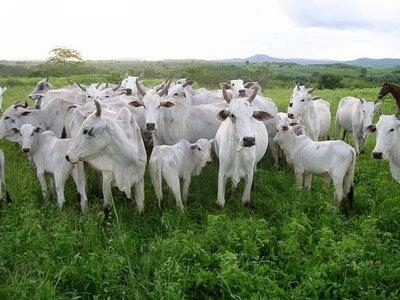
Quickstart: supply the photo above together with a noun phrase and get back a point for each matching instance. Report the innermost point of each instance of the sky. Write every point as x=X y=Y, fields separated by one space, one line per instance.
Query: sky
x=206 y=29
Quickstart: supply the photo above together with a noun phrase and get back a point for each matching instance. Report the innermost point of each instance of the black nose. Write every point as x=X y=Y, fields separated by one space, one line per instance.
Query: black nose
x=242 y=93
x=209 y=162
x=249 y=141
x=290 y=116
x=26 y=150
x=290 y=104
x=128 y=92
x=377 y=155
x=150 y=126
x=67 y=157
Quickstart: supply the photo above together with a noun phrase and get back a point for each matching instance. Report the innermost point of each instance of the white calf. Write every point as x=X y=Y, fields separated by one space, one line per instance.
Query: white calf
x=354 y=115
x=180 y=161
x=388 y=143
x=334 y=159
x=240 y=143
x=48 y=155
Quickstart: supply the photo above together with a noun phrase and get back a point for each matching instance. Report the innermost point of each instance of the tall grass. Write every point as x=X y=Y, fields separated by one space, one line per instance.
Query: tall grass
x=290 y=244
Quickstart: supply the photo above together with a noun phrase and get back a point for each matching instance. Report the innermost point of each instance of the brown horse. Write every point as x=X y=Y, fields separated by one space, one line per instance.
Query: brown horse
x=390 y=88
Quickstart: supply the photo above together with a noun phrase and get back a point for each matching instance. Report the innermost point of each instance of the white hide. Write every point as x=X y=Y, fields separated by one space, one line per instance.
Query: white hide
x=331 y=159
x=388 y=143
x=354 y=115
x=48 y=155
x=178 y=162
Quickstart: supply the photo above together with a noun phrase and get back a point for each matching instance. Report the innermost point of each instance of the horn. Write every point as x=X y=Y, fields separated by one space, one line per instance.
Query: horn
x=47 y=77
x=312 y=89
x=117 y=87
x=169 y=78
x=297 y=86
x=251 y=98
x=164 y=89
x=81 y=87
x=98 y=85
x=98 y=108
x=141 y=74
x=140 y=89
x=69 y=81
x=126 y=74
x=71 y=106
x=26 y=104
x=225 y=94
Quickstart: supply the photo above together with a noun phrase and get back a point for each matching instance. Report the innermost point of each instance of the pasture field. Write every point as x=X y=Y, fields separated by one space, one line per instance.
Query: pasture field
x=291 y=244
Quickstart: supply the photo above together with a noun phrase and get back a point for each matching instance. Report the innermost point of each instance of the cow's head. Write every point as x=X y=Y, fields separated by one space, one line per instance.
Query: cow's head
x=177 y=88
x=28 y=134
x=41 y=88
x=92 y=138
x=300 y=103
x=368 y=109
x=153 y=103
x=13 y=117
x=241 y=115
x=387 y=136
x=201 y=153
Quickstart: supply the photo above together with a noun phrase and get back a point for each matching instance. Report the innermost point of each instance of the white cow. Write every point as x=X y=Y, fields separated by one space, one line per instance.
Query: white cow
x=240 y=143
x=52 y=117
x=388 y=143
x=170 y=120
x=354 y=115
x=2 y=91
x=184 y=88
x=313 y=112
x=114 y=147
x=331 y=159
x=178 y=162
x=238 y=88
x=48 y=154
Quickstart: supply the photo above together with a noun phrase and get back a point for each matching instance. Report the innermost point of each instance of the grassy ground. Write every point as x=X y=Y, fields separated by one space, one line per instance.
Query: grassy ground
x=291 y=244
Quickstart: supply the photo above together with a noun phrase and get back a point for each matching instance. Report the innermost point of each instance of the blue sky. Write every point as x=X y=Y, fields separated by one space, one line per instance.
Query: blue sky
x=177 y=29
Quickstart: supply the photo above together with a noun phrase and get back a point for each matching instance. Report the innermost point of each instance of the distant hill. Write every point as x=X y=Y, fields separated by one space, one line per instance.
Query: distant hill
x=362 y=62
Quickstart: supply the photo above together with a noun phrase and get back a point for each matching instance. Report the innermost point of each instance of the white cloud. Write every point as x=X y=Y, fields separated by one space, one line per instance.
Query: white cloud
x=154 y=30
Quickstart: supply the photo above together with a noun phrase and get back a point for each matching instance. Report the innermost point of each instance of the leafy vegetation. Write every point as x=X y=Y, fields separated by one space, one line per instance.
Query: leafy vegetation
x=291 y=244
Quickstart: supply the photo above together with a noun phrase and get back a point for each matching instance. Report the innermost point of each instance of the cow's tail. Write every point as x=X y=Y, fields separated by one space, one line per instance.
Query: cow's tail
x=337 y=127
x=348 y=181
x=155 y=168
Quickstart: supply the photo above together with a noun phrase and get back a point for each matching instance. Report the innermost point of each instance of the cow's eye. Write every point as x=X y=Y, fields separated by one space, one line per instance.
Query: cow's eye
x=85 y=131
x=233 y=117
x=6 y=118
x=302 y=100
x=391 y=130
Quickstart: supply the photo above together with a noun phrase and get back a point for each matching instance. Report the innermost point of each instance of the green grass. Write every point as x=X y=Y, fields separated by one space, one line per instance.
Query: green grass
x=291 y=244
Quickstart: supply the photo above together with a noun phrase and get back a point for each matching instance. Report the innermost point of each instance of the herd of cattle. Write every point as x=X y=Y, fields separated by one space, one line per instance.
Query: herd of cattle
x=109 y=127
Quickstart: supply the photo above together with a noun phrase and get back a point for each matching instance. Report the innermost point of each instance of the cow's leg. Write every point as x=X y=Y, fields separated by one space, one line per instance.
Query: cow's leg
x=139 y=196
x=42 y=180
x=247 y=188
x=307 y=181
x=59 y=184
x=108 y=199
x=174 y=185
x=78 y=174
x=299 y=178
x=338 y=194
x=221 y=188
x=185 y=188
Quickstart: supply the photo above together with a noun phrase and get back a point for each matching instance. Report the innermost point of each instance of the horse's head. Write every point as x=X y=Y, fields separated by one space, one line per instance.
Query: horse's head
x=385 y=89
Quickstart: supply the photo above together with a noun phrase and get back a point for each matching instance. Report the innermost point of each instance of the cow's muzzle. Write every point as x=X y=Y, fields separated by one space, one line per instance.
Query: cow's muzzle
x=26 y=150
x=249 y=141
x=150 y=126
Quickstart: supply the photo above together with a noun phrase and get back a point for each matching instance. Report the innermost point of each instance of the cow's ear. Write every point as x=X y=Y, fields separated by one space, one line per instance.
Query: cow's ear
x=37 y=129
x=285 y=128
x=298 y=129
x=223 y=114
x=135 y=103
x=167 y=104
x=14 y=129
x=25 y=113
x=261 y=115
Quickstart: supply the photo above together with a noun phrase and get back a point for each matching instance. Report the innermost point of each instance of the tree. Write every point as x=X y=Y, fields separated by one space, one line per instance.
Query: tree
x=63 y=55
